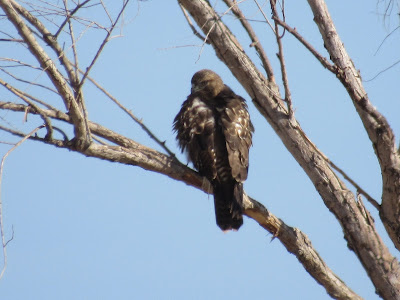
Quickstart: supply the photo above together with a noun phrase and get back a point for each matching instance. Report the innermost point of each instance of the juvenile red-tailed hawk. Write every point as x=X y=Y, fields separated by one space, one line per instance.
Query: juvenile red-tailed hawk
x=214 y=128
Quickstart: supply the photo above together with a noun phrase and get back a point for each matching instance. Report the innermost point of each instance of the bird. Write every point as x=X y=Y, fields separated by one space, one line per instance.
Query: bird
x=214 y=128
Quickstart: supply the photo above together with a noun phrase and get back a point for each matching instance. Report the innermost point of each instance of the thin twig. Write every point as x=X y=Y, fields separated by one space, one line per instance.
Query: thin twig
x=195 y=32
x=288 y=97
x=352 y=182
x=103 y=44
x=28 y=82
x=19 y=63
x=4 y=243
x=7 y=143
x=33 y=105
x=347 y=177
x=306 y=44
x=386 y=37
x=255 y=41
x=11 y=238
x=69 y=16
x=382 y=71
x=265 y=17
x=45 y=104
x=72 y=35
x=106 y=11
x=133 y=117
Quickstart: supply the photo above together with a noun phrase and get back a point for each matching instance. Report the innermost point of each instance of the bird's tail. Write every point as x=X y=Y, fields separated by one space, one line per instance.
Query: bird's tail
x=228 y=199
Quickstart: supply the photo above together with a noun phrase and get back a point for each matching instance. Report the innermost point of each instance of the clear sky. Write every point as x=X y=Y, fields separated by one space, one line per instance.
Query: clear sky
x=91 y=229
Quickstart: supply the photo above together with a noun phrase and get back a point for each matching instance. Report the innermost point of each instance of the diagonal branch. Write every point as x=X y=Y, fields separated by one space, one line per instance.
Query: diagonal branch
x=133 y=117
x=324 y=62
x=376 y=125
x=194 y=30
x=106 y=39
x=21 y=95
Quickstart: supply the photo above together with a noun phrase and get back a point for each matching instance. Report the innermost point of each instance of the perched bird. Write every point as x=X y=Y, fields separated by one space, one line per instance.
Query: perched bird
x=214 y=128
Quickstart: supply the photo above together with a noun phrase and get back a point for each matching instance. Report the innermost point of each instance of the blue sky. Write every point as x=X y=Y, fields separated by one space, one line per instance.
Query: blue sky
x=91 y=229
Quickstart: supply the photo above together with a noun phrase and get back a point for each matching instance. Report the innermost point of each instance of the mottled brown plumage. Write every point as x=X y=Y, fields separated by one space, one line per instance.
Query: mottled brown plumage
x=214 y=128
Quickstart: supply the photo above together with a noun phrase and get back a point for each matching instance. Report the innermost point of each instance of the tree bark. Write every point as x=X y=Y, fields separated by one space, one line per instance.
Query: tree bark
x=376 y=125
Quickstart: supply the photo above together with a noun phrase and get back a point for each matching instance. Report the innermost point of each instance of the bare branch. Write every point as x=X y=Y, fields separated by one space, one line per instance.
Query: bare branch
x=31 y=104
x=265 y=17
x=69 y=16
x=383 y=71
x=106 y=39
x=10 y=7
x=352 y=182
x=50 y=40
x=28 y=82
x=195 y=32
x=281 y=57
x=73 y=42
x=19 y=63
x=376 y=125
x=301 y=39
x=133 y=117
x=297 y=243
x=255 y=41
x=347 y=177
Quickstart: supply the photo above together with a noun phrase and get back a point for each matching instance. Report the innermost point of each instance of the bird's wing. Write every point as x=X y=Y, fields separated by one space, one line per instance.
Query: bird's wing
x=238 y=130
x=195 y=127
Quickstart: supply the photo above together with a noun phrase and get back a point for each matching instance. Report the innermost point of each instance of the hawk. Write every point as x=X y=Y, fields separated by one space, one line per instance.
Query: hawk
x=213 y=127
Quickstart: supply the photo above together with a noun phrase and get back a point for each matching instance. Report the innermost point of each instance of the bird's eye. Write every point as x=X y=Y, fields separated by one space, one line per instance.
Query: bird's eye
x=199 y=86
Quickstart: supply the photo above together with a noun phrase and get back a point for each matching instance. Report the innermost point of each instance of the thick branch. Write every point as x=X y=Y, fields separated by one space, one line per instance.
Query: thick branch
x=377 y=127
x=361 y=235
x=297 y=243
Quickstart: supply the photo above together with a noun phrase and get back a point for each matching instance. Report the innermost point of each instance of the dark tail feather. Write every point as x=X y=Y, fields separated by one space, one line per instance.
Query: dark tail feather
x=228 y=198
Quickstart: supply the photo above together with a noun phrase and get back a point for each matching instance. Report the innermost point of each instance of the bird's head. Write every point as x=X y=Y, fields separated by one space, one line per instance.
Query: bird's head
x=207 y=83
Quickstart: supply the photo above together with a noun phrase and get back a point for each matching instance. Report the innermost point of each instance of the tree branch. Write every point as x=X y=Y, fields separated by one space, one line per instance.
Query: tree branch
x=69 y=15
x=281 y=57
x=324 y=62
x=133 y=117
x=377 y=127
x=254 y=39
x=10 y=7
x=194 y=30
x=19 y=94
